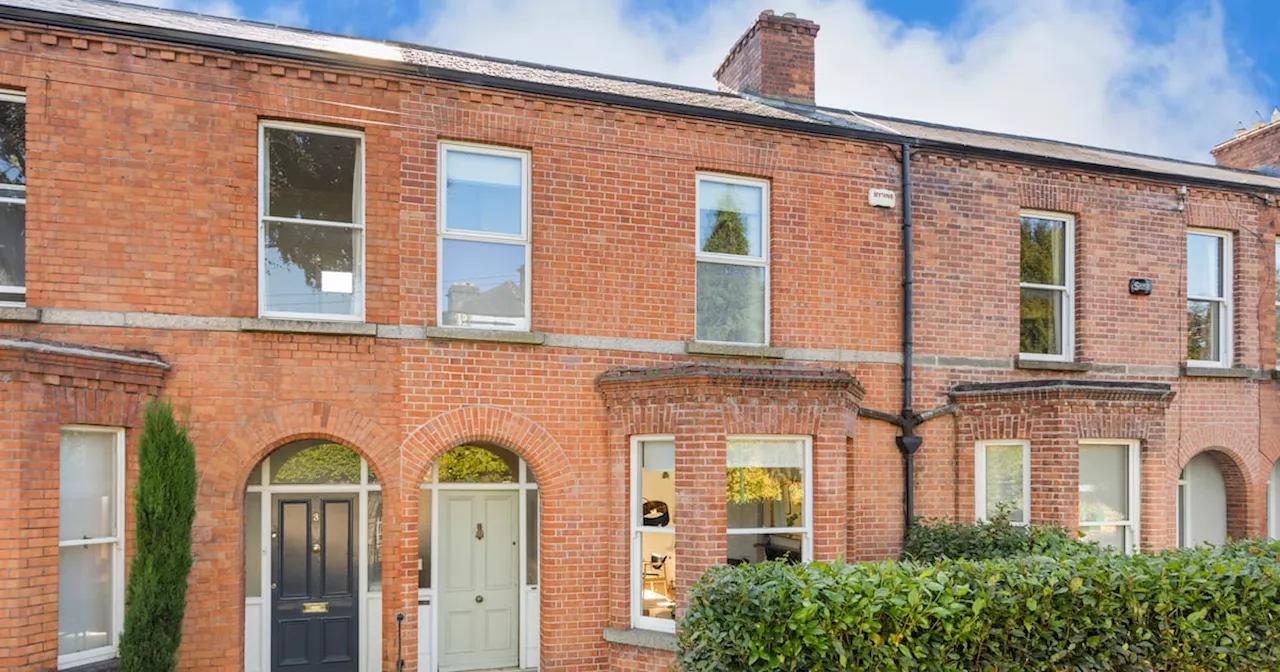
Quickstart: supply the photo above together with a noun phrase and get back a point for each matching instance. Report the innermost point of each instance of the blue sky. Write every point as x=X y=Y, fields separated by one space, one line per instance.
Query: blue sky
x=1170 y=77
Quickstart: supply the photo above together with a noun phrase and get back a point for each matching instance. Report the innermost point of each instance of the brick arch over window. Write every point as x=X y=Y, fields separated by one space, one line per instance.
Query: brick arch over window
x=1237 y=488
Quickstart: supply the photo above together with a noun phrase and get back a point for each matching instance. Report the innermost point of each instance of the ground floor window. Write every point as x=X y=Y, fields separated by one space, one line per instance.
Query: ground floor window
x=653 y=525
x=1002 y=480
x=90 y=544
x=1109 y=493
x=768 y=495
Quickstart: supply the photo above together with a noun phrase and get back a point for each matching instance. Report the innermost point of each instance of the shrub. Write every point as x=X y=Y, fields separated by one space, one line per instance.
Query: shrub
x=1194 y=610
x=163 y=508
x=930 y=539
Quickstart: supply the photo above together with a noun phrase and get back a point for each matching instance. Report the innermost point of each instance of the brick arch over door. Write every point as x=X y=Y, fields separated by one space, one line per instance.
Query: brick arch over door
x=215 y=615
x=1237 y=488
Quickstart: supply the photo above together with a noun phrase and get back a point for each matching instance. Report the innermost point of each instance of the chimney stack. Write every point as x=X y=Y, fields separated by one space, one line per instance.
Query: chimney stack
x=773 y=59
x=1255 y=148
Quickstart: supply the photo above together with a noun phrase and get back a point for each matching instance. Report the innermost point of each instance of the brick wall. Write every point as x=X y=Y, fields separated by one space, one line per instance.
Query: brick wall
x=1256 y=148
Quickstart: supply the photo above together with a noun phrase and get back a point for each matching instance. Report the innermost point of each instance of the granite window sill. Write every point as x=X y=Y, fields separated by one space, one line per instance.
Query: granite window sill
x=272 y=325
x=19 y=314
x=1214 y=372
x=1051 y=365
x=644 y=639
x=485 y=335
x=732 y=350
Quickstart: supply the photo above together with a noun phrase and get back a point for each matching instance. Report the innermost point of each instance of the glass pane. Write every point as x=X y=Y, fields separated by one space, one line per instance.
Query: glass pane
x=765 y=483
x=13 y=143
x=424 y=539
x=475 y=464
x=1182 y=510
x=483 y=193
x=1204 y=265
x=311 y=175
x=1202 y=331
x=13 y=245
x=307 y=462
x=253 y=544
x=310 y=269
x=657 y=484
x=1104 y=483
x=87 y=491
x=483 y=284
x=1044 y=251
x=1274 y=501
x=1004 y=481
x=749 y=548
x=374 y=523
x=657 y=567
x=729 y=219
x=730 y=303
x=528 y=475
x=255 y=476
x=1277 y=283
x=1041 y=324
x=84 y=598
x=532 y=525
x=1107 y=536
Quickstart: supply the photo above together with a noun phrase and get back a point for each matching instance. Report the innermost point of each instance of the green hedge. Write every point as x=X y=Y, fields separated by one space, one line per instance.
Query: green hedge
x=1192 y=610
x=929 y=540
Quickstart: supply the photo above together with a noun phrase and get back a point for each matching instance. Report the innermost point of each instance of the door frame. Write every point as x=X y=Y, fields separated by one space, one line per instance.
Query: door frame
x=524 y=483
x=268 y=494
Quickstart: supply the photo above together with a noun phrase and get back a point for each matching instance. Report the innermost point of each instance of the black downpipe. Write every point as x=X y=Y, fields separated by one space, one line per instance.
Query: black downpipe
x=908 y=442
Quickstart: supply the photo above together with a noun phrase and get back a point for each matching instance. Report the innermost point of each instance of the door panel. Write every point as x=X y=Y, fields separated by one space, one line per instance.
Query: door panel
x=479 y=593
x=313 y=567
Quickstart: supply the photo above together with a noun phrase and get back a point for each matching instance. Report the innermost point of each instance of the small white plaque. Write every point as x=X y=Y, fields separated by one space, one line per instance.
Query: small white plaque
x=337 y=282
x=882 y=198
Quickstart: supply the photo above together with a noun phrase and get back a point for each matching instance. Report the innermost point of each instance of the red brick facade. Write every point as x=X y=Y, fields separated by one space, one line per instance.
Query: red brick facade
x=142 y=236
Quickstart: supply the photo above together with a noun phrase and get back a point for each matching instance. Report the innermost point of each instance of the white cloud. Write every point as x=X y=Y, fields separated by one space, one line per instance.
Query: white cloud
x=1074 y=70
x=286 y=14
x=225 y=8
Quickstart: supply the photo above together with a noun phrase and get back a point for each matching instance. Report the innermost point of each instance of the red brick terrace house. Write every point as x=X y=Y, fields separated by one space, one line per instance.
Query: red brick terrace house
x=515 y=353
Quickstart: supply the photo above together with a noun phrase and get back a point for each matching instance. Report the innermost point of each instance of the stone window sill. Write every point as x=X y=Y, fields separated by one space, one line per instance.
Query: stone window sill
x=487 y=335
x=645 y=639
x=19 y=314
x=272 y=325
x=1046 y=365
x=112 y=665
x=732 y=350
x=1213 y=372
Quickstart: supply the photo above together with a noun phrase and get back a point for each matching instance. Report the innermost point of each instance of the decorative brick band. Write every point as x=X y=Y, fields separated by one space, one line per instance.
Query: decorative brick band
x=1062 y=389
x=702 y=381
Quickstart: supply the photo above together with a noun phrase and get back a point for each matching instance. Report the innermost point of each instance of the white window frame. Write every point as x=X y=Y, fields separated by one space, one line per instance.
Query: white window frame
x=1276 y=278
x=444 y=233
x=1068 y=289
x=117 y=553
x=636 y=513
x=21 y=98
x=806 y=531
x=735 y=259
x=1225 y=323
x=1273 y=501
x=357 y=226
x=1133 y=532
x=980 y=478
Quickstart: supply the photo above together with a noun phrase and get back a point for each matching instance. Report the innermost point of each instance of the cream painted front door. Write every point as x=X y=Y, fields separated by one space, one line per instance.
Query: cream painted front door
x=480 y=580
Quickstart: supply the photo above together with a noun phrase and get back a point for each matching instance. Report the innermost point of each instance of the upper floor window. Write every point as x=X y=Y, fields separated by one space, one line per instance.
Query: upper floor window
x=769 y=493
x=1209 y=298
x=1109 y=493
x=1002 y=480
x=13 y=198
x=653 y=532
x=1046 y=283
x=733 y=260
x=311 y=231
x=484 y=248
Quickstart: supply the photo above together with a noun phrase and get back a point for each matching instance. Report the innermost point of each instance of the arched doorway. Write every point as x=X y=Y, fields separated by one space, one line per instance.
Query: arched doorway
x=1202 y=503
x=313 y=561
x=1273 y=502
x=478 y=562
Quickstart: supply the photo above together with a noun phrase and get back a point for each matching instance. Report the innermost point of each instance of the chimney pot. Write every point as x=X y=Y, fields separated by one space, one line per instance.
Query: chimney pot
x=773 y=59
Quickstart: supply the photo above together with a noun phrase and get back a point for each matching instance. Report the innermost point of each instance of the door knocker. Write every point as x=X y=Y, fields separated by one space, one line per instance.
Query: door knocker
x=480 y=531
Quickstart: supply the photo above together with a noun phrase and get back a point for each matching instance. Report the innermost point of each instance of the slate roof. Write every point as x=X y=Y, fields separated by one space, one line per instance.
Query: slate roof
x=216 y=31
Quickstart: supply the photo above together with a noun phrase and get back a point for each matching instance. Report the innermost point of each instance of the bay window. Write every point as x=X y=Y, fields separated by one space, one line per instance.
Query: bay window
x=768 y=492
x=1109 y=493
x=1002 y=480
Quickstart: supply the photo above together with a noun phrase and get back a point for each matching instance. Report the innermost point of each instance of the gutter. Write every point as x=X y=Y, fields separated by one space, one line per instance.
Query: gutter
x=403 y=68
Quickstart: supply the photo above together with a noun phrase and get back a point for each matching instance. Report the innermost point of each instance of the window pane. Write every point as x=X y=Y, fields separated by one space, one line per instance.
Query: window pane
x=657 y=567
x=1104 y=483
x=483 y=284
x=424 y=539
x=315 y=463
x=1277 y=269
x=1204 y=265
x=730 y=303
x=730 y=218
x=765 y=483
x=1044 y=251
x=13 y=143
x=657 y=484
x=1004 y=481
x=311 y=175
x=1202 y=331
x=1274 y=500
x=87 y=491
x=1107 y=536
x=474 y=464
x=374 y=523
x=253 y=544
x=84 y=598
x=483 y=193
x=532 y=525
x=13 y=245
x=310 y=269
x=1041 y=327
x=749 y=548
